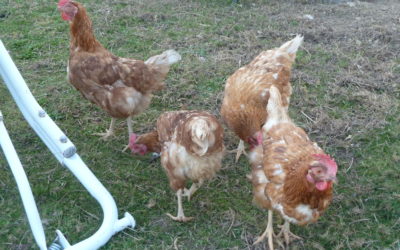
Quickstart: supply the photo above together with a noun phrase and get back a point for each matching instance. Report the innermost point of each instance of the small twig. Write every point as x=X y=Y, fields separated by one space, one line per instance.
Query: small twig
x=131 y=236
x=233 y=220
x=49 y=171
x=176 y=243
x=90 y=214
x=351 y=164
x=248 y=244
x=307 y=116
x=376 y=219
x=306 y=50
x=360 y=220
x=397 y=222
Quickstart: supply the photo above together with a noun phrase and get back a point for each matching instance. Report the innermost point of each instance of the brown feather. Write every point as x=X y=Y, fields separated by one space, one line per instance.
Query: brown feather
x=246 y=91
x=182 y=157
x=151 y=141
x=279 y=179
x=120 y=86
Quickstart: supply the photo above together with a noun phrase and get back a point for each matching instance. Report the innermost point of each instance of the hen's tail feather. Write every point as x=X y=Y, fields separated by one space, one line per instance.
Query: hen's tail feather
x=276 y=112
x=168 y=57
x=293 y=45
x=202 y=136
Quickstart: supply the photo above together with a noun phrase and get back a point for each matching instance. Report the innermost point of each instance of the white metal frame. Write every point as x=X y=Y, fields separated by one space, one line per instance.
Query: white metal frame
x=65 y=152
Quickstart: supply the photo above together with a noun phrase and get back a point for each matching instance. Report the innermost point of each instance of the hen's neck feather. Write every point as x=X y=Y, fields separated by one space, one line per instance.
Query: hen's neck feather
x=151 y=141
x=299 y=190
x=82 y=36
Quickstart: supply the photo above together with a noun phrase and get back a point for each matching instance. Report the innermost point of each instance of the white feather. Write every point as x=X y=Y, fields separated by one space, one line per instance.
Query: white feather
x=202 y=135
x=276 y=112
x=167 y=57
x=293 y=45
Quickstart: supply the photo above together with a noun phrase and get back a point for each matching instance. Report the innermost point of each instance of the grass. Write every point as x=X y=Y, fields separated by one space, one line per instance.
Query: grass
x=346 y=95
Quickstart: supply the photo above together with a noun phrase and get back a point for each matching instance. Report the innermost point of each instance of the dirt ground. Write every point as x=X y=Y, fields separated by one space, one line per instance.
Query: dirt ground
x=361 y=43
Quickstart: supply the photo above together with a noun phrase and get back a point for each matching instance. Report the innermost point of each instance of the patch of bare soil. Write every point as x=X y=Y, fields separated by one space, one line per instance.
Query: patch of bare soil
x=361 y=45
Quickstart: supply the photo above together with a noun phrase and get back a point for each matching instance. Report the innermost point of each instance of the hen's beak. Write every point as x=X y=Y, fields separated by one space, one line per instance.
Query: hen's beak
x=154 y=156
x=333 y=179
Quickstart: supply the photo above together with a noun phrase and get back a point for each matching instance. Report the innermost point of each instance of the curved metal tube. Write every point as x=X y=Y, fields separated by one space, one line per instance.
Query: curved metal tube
x=65 y=152
x=98 y=191
x=23 y=184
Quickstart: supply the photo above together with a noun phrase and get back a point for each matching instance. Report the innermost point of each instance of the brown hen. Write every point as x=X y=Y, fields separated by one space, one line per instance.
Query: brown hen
x=246 y=91
x=122 y=87
x=291 y=175
x=191 y=146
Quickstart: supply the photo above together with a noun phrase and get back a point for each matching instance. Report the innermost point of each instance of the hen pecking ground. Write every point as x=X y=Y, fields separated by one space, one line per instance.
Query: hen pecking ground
x=346 y=95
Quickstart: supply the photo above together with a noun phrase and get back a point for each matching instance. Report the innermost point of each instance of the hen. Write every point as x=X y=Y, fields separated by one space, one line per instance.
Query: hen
x=191 y=146
x=290 y=174
x=122 y=87
x=246 y=91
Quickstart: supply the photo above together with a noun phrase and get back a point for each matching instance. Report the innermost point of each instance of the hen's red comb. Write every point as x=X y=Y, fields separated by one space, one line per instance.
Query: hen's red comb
x=61 y=3
x=327 y=161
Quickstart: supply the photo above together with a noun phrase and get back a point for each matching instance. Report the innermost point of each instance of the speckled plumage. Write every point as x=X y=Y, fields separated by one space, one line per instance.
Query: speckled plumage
x=120 y=86
x=280 y=166
x=191 y=144
x=279 y=179
x=246 y=91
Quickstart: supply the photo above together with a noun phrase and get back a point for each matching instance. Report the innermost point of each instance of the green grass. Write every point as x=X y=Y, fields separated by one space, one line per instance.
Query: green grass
x=345 y=94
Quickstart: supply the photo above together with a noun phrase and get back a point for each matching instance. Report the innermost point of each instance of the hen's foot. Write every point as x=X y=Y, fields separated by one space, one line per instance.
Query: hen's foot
x=262 y=237
x=287 y=234
x=186 y=192
x=189 y=192
x=240 y=150
x=269 y=232
x=105 y=136
x=180 y=218
x=109 y=132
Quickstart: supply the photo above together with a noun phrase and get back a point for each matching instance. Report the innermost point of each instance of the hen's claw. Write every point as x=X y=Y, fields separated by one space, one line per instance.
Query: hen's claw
x=180 y=218
x=287 y=234
x=189 y=192
x=109 y=132
x=155 y=156
x=239 y=151
x=269 y=233
x=186 y=192
x=106 y=135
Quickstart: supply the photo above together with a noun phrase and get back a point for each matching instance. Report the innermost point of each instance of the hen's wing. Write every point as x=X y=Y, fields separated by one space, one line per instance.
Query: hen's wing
x=246 y=91
x=107 y=70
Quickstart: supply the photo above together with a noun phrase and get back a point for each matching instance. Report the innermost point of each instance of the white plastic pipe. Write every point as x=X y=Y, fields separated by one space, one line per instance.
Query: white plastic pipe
x=111 y=224
x=65 y=152
x=37 y=118
x=23 y=184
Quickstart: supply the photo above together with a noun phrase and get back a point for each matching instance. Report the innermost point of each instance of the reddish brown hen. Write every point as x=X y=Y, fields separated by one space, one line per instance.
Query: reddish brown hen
x=191 y=146
x=122 y=87
x=246 y=91
x=290 y=174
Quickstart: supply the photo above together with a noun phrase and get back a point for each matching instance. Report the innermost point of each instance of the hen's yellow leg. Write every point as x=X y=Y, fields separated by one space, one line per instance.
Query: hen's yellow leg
x=181 y=216
x=189 y=192
x=287 y=234
x=269 y=231
x=130 y=127
x=239 y=151
x=109 y=132
x=130 y=131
